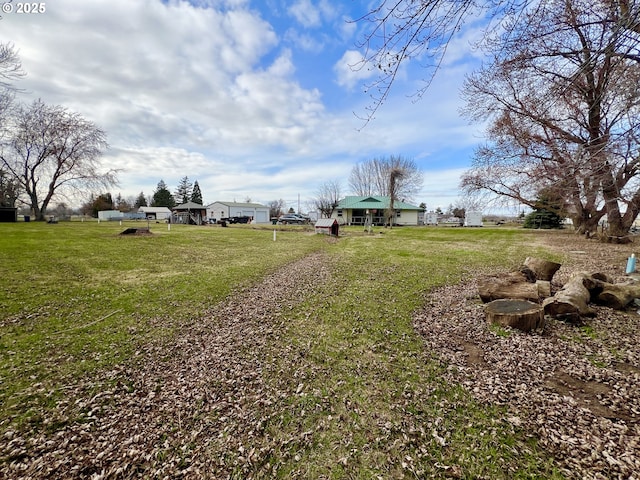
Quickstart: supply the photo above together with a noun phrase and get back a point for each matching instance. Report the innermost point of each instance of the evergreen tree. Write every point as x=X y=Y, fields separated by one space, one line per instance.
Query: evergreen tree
x=196 y=195
x=103 y=201
x=141 y=201
x=162 y=196
x=547 y=213
x=183 y=192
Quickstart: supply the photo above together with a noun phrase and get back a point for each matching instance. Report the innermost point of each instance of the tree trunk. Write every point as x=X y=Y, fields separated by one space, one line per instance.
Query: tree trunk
x=520 y=314
x=616 y=296
x=539 y=269
x=572 y=301
x=513 y=285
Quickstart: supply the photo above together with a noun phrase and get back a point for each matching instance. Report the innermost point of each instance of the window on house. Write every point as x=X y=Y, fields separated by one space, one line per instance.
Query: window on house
x=339 y=213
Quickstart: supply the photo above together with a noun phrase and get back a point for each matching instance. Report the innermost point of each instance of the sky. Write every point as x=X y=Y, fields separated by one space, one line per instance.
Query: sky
x=252 y=99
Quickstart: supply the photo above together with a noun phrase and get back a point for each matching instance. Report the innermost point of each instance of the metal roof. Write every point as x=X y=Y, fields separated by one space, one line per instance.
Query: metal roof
x=239 y=204
x=189 y=205
x=325 y=222
x=373 y=202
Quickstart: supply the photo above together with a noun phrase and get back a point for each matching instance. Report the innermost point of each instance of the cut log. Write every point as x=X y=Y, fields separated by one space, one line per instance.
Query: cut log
x=616 y=296
x=544 y=288
x=513 y=285
x=571 y=302
x=540 y=269
x=520 y=314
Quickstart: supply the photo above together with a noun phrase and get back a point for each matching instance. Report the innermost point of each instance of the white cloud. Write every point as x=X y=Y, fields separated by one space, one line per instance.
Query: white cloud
x=351 y=70
x=209 y=91
x=307 y=14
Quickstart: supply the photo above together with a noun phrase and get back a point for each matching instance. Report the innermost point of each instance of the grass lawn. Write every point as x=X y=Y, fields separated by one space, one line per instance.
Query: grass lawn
x=78 y=298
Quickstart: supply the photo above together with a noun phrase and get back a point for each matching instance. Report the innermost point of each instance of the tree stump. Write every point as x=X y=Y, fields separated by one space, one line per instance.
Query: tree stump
x=520 y=314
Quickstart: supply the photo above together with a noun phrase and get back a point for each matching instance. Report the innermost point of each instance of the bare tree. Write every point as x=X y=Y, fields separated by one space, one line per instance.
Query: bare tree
x=373 y=178
x=327 y=198
x=396 y=175
x=562 y=95
x=52 y=152
x=10 y=70
x=276 y=208
x=400 y=31
x=10 y=67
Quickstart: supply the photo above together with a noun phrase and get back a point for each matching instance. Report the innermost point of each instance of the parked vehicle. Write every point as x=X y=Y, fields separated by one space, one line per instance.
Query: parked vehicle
x=293 y=219
x=237 y=219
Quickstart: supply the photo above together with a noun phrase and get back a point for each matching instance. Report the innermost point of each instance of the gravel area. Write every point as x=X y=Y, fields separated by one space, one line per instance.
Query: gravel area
x=576 y=388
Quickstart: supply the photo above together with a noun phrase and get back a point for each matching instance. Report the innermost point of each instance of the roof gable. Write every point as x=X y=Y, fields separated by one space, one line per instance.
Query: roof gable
x=189 y=205
x=372 y=202
x=239 y=204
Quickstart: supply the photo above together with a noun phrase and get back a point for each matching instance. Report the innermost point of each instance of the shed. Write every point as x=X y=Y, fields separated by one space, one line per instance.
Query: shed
x=431 y=218
x=473 y=219
x=156 y=213
x=189 y=213
x=110 y=215
x=328 y=226
x=8 y=214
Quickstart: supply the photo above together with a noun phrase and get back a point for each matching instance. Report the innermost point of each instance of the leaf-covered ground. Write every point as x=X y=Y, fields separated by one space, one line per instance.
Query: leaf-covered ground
x=576 y=388
x=231 y=396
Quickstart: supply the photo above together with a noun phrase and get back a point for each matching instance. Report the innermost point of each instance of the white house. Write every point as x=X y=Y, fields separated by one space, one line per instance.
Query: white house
x=257 y=211
x=156 y=213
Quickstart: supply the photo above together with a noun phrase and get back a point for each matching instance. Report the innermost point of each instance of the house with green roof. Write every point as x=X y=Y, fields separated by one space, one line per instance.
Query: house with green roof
x=355 y=210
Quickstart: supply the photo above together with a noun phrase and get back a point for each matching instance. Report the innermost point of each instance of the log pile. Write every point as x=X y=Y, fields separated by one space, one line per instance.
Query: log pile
x=510 y=298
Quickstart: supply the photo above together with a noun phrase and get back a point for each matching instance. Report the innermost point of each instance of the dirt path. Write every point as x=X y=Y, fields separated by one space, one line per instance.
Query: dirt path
x=198 y=407
x=204 y=393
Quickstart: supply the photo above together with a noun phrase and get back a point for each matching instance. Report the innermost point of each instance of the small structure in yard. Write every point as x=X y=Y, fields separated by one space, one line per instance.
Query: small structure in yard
x=189 y=213
x=110 y=215
x=156 y=213
x=328 y=226
x=8 y=214
x=431 y=218
x=473 y=219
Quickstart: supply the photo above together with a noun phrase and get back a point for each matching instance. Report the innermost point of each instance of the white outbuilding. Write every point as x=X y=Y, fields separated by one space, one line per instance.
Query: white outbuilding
x=473 y=219
x=257 y=211
x=156 y=213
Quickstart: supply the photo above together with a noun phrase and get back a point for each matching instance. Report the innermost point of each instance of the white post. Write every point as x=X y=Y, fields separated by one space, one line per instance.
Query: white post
x=274 y=234
x=169 y=226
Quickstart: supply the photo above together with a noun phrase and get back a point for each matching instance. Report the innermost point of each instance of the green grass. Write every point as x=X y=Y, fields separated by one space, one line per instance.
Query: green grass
x=79 y=297
x=377 y=394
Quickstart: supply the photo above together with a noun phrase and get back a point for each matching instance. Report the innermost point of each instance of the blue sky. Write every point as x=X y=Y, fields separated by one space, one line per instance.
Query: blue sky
x=253 y=99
